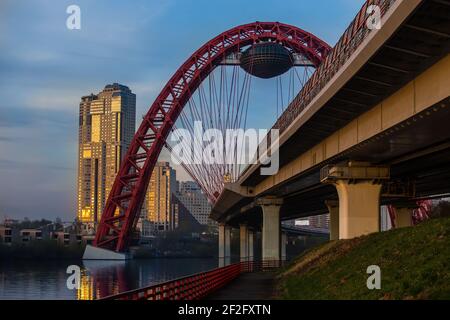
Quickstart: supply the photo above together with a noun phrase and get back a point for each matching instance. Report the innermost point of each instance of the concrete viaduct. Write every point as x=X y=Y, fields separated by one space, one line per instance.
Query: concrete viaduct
x=372 y=127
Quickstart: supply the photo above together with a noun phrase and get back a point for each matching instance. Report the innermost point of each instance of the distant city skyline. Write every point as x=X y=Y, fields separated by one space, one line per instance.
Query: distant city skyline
x=46 y=68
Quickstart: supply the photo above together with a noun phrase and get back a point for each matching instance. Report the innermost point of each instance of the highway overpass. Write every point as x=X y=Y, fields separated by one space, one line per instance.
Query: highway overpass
x=370 y=128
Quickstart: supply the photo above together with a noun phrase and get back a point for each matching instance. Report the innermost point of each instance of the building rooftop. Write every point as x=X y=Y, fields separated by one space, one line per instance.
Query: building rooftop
x=116 y=86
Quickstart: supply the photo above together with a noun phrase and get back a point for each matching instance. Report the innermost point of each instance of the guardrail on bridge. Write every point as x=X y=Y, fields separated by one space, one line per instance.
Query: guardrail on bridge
x=195 y=286
x=350 y=41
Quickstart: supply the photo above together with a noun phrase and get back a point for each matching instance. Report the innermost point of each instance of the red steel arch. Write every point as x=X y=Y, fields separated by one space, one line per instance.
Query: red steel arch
x=128 y=192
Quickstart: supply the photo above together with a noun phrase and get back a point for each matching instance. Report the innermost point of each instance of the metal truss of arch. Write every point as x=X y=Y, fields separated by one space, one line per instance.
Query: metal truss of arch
x=122 y=208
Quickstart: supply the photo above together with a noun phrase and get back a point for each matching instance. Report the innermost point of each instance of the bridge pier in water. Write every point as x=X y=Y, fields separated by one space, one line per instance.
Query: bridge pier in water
x=95 y=253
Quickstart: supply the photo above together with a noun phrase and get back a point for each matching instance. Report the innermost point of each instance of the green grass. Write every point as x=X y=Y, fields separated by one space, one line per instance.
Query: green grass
x=414 y=262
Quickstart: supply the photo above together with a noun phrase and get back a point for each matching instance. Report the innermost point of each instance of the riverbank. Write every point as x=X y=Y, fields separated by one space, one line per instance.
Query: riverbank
x=50 y=250
x=414 y=263
x=37 y=250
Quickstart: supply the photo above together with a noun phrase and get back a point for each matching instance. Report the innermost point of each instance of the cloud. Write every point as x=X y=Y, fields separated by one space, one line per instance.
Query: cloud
x=46 y=68
x=51 y=100
x=17 y=165
x=28 y=117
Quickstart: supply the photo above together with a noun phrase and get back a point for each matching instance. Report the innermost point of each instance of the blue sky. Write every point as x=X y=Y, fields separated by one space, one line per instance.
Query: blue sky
x=45 y=69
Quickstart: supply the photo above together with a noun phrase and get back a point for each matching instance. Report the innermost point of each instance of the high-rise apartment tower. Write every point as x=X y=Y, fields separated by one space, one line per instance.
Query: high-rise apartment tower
x=106 y=128
x=158 y=207
x=195 y=201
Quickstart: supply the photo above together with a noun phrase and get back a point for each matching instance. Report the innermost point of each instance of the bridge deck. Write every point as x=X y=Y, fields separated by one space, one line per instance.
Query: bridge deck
x=248 y=286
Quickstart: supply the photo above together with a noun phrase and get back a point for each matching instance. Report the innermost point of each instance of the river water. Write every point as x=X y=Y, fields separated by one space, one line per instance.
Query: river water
x=48 y=280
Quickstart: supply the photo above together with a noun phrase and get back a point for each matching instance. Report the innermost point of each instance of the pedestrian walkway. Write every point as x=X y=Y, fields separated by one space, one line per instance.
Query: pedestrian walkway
x=248 y=286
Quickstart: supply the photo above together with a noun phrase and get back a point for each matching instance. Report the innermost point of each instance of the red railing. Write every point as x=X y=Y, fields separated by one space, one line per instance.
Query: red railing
x=350 y=41
x=195 y=286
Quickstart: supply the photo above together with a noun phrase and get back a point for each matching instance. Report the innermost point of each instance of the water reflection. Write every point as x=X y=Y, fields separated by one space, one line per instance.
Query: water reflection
x=47 y=280
x=103 y=278
x=86 y=291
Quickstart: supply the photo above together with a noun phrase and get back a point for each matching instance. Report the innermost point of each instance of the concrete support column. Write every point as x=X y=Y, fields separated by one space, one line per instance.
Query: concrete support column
x=284 y=240
x=270 y=228
x=251 y=241
x=359 y=208
x=333 y=210
x=403 y=217
x=358 y=185
x=243 y=239
x=224 y=245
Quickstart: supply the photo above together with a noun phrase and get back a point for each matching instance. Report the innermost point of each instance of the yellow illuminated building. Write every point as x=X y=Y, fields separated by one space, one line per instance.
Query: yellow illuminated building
x=106 y=128
x=158 y=207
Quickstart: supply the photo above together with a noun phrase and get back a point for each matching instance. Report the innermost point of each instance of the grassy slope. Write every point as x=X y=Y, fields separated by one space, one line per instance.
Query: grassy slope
x=414 y=262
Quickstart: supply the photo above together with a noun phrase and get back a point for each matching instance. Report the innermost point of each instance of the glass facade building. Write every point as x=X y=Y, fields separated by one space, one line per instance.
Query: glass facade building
x=158 y=207
x=106 y=127
x=196 y=202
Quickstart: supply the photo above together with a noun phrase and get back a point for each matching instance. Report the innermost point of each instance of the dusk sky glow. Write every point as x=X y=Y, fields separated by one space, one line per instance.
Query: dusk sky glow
x=46 y=68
